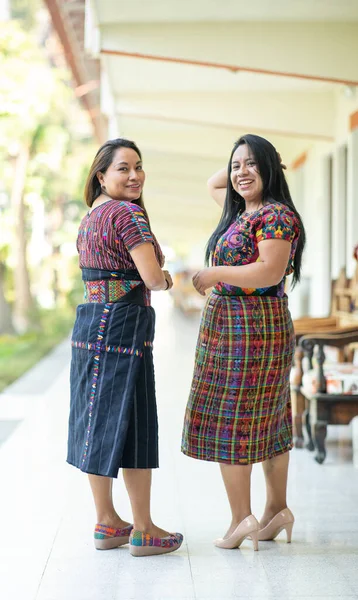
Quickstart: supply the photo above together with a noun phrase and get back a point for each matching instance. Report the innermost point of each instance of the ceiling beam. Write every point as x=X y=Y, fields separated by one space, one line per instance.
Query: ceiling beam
x=321 y=52
x=226 y=126
x=229 y=67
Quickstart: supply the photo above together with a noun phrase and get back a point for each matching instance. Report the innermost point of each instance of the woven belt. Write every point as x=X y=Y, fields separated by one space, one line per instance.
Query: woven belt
x=114 y=290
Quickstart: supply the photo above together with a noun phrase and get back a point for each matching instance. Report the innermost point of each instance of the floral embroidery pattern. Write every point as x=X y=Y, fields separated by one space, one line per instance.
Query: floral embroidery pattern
x=239 y=244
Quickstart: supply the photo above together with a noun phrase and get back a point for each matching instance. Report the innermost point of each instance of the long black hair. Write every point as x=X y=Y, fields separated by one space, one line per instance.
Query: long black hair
x=275 y=189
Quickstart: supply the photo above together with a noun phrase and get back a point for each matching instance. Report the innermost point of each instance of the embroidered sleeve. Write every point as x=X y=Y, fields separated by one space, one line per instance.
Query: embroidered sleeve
x=277 y=223
x=132 y=226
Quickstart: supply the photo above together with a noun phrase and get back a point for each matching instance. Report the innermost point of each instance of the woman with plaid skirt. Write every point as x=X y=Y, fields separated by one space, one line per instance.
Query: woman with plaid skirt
x=239 y=409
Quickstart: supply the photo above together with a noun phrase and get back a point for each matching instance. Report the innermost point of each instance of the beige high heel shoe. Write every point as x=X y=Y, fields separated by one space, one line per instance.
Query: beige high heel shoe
x=283 y=520
x=248 y=528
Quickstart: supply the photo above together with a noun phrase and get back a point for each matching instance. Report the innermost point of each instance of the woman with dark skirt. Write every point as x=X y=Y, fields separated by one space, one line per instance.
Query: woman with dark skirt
x=239 y=410
x=113 y=414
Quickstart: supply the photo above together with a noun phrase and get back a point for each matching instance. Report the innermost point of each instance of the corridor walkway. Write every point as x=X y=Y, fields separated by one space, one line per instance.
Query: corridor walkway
x=47 y=517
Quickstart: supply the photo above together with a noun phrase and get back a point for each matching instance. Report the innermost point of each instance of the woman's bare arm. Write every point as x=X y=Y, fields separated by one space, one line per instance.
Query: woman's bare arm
x=266 y=272
x=217 y=186
x=146 y=262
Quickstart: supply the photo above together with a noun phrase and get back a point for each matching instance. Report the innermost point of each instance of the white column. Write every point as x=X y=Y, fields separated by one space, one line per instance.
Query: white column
x=317 y=221
x=4 y=10
x=92 y=41
x=108 y=103
x=298 y=300
x=352 y=201
x=339 y=211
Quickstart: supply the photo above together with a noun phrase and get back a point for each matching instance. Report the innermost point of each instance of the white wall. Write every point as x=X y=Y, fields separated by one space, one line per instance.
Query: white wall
x=346 y=105
x=316 y=220
x=352 y=200
x=311 y=190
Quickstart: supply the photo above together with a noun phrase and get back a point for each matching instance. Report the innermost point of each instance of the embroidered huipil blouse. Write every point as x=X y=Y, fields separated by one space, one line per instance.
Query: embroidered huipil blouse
x=108 y=234
x=239 y=245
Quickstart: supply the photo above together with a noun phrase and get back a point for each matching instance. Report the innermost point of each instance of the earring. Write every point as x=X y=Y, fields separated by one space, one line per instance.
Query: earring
x=103 y=188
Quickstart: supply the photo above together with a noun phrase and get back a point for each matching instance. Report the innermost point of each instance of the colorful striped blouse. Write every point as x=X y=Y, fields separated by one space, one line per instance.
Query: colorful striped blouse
x=109 y=233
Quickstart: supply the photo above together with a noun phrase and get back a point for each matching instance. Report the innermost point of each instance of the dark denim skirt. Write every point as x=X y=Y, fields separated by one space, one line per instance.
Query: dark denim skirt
x=113 y=415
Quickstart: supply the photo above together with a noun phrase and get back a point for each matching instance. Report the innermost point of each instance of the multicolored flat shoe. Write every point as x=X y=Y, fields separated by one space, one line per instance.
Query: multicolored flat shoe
x=142 y=544
x=106 y=538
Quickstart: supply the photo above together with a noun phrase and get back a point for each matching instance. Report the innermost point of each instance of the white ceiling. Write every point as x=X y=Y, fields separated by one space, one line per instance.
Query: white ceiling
x=150 y=11
x=185 y=118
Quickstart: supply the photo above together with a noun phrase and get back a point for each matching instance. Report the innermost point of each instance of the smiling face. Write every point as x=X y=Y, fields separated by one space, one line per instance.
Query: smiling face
x=124 y=178
x=245 y=177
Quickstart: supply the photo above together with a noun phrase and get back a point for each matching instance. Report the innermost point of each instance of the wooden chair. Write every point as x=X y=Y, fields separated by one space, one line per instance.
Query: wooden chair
x=343 y=319
x=326 y=408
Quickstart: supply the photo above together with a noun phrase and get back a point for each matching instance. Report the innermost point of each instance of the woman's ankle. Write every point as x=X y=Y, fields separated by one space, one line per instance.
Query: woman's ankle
x=239 y=516
x=273 y=509
x=110 y=519
x=142 y=525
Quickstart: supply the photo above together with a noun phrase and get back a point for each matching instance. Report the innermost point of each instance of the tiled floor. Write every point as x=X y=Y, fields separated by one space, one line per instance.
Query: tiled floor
x=46 y=548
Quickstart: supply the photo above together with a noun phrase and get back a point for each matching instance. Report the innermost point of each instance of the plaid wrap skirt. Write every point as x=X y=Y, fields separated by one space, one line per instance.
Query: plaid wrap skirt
x=239 y=409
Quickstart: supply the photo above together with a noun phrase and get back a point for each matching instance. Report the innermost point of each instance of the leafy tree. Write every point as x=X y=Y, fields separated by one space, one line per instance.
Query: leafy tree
x=44 y=142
